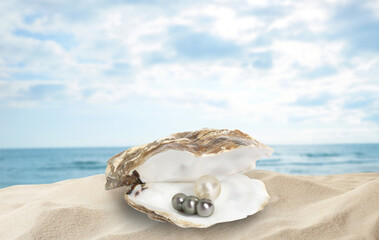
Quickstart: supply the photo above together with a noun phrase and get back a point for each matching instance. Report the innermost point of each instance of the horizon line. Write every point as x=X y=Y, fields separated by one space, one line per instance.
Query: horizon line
x=129 y=146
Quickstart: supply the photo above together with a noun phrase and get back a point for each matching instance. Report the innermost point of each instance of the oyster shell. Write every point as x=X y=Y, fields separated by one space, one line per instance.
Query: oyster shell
x=154 y=172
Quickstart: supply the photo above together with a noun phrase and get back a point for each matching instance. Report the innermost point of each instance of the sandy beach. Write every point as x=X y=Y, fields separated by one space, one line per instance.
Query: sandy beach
x=301 y=207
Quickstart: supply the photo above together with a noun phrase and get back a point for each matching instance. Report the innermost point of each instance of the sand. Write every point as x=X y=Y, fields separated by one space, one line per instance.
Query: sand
x=301 y=207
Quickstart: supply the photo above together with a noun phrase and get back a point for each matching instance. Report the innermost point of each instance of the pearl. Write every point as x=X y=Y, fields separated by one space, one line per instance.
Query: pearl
x=205 y=207
x=189 y=205
x=177 y=201
x=208 y=187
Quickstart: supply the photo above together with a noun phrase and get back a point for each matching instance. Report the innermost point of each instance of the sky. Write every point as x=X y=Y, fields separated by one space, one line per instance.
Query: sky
x=122 y=73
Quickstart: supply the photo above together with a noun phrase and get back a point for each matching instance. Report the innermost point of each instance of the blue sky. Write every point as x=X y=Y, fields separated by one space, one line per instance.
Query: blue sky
x=116 y=73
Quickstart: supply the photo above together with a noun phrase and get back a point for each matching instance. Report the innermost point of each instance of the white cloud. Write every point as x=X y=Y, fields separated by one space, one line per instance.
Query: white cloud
x=311 y=13
x=373 y=6
x=223 y=22
x=101 y=59
x=308 y=54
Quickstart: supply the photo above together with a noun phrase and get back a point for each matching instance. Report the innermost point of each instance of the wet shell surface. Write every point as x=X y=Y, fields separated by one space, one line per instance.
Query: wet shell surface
x=154 y=172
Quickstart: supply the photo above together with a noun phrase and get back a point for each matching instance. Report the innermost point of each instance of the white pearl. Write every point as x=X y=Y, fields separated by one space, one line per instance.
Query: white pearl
x=207 y=186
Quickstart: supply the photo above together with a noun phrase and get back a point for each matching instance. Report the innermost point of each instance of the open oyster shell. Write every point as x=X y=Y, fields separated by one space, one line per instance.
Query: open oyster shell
x=154 y=172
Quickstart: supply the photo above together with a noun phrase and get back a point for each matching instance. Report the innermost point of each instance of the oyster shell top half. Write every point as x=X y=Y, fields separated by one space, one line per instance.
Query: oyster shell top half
x=154 y=172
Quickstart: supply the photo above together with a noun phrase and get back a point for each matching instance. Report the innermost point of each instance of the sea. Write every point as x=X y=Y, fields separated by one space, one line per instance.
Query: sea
x=48 y=165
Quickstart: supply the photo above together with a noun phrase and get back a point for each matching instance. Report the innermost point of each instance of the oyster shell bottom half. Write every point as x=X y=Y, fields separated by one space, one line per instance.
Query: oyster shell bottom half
x=154 y=172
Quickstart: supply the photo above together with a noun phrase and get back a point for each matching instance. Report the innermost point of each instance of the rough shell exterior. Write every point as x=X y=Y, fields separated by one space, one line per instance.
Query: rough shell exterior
x=120 y=170
x=206 y=141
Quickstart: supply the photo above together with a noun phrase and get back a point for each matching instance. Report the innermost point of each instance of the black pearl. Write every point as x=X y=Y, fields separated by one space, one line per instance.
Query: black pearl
x=177 y=201
x=189 y=205
x=205 y=207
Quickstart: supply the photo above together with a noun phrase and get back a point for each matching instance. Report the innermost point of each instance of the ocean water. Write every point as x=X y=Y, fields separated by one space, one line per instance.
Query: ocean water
x=37 y=166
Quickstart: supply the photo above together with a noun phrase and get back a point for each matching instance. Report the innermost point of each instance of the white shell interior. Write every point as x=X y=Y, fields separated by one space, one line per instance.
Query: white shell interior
x=240 y=197
x=182 y=166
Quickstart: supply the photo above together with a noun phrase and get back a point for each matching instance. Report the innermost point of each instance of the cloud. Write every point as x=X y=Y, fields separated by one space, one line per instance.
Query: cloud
x=43 y=91
x=374 y=117
x=65 y=40
x=262 y=60
x=268 y=65
x=320 y=72
x=367 y=100
x=357 y=24
x=310 y=101
x=118 y=68
x=200 y=45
